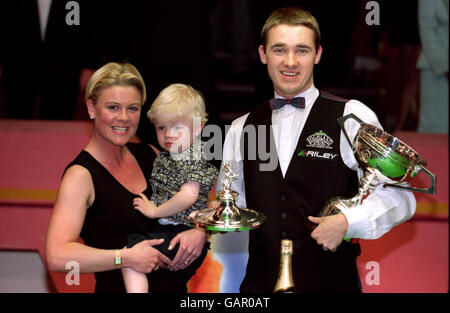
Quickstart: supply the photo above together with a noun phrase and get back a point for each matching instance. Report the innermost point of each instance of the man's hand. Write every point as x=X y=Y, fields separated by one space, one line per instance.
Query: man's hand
x=330 y=230
x=191 y=244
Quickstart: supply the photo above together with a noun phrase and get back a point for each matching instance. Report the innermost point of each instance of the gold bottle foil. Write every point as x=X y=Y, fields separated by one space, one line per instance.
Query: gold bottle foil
x=285 y=281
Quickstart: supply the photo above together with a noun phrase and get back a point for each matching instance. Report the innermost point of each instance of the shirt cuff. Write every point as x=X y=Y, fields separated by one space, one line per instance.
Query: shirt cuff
x=357 y=222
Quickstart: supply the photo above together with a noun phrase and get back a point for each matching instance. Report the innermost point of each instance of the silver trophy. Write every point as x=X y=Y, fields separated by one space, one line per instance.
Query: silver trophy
x=227 y=217
x=385 y=160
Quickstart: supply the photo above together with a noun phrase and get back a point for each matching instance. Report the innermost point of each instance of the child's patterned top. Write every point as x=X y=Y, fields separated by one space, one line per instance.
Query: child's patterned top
x=169 y=173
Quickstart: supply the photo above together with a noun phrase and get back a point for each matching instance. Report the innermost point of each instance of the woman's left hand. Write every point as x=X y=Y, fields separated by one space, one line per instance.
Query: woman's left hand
x=191 y=244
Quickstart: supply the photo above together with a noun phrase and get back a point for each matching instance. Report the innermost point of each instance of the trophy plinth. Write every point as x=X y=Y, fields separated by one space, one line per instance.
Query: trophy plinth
x=227 y=217
x=385 y=160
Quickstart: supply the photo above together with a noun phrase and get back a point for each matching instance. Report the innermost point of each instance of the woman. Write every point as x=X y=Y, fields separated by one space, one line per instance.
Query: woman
x=95 y=198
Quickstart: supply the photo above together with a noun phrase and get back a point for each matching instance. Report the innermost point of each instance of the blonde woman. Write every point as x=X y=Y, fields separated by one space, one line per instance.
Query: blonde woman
x=95 y=198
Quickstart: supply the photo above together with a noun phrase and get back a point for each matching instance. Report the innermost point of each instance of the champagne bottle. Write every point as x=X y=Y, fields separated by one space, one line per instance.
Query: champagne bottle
x=285 y=281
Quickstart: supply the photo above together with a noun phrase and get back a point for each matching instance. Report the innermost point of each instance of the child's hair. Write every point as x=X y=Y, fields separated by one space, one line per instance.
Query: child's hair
x=178 y=101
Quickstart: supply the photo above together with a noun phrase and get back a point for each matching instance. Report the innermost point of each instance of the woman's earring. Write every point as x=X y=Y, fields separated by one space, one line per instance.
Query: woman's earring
x=91 y=117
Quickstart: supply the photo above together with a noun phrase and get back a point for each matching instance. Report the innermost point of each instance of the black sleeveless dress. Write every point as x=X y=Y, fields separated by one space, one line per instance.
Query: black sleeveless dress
x=112 y=216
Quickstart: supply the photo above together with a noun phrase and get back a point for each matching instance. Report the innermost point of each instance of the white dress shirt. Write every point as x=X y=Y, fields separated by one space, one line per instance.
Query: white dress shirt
x=383 y=209
x=44 y=11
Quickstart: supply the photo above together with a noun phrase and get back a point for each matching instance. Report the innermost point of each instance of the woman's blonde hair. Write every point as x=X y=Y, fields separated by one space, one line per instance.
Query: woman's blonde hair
x=115 y=74
x=178 y=101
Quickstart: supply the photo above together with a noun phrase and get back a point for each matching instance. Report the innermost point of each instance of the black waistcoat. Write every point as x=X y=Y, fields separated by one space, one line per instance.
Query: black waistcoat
x=315 y=174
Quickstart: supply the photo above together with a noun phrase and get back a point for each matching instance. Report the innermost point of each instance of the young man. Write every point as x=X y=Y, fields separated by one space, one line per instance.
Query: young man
x=297 y=187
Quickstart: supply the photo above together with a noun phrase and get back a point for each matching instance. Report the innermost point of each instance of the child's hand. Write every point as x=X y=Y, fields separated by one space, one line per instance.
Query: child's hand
x=145 y=206
x=193 y=214
x=213 y=204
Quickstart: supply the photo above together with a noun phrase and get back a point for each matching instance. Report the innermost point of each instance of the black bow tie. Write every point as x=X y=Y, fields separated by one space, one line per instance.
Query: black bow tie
x=298 y=102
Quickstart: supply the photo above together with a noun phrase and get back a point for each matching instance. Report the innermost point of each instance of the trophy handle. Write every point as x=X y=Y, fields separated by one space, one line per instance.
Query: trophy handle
x=341 y=122
x=429 y=190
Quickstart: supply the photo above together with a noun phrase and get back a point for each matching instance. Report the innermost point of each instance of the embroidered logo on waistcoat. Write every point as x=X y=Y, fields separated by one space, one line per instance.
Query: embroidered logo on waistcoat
x=319 y=140
x=317 y=155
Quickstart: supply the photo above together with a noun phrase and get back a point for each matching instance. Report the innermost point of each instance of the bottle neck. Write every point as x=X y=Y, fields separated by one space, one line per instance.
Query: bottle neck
x=285 y=281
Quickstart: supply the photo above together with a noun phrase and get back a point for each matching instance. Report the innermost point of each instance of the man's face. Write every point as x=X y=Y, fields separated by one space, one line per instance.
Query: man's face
x=290 y=56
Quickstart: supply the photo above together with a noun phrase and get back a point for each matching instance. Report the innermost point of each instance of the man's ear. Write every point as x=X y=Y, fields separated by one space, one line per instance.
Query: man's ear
x=262 y=54
x=318 y=55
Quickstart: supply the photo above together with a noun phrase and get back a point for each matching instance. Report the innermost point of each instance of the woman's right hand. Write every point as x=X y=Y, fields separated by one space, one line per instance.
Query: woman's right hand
x=143 y=258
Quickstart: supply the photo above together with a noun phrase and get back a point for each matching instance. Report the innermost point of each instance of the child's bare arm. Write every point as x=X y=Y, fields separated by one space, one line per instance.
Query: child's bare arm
x=181 y=201
x=145 y=206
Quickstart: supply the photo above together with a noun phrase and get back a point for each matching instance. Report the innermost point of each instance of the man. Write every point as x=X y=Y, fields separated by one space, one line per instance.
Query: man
x=295 y=188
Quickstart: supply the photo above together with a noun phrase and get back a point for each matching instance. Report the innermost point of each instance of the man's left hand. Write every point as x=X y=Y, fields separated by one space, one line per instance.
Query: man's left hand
x=330 y=230
x=191 y=244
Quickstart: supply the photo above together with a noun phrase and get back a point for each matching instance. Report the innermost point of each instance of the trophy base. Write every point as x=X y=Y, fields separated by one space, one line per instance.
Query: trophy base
x=335 y=206
x=246 y=219
x=332 y=207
